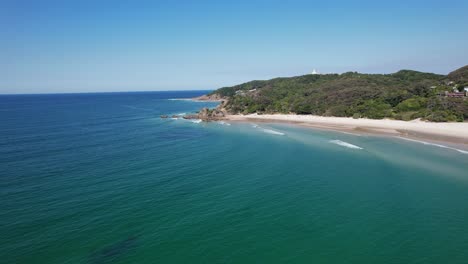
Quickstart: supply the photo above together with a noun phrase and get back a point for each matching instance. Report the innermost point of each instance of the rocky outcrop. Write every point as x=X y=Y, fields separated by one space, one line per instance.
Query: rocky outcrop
x=206 y=114
x=190 y=117
x=209 y=98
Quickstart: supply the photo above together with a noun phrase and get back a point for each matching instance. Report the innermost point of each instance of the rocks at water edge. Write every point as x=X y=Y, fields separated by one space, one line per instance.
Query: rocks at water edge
x=206 y=114
x=190 y=117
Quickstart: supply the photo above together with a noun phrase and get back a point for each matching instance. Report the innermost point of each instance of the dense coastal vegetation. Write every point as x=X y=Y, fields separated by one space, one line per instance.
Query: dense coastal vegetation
x=404 y=95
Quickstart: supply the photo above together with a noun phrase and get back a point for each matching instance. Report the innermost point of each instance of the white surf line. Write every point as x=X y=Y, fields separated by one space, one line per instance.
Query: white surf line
x=344 y=144
x=434 y=144
x=179 y=116
x=223 y=123
x=273 y=132
x=268 y=131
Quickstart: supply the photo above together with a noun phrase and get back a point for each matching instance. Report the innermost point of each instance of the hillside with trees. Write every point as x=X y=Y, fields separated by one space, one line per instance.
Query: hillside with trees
x=404 y=95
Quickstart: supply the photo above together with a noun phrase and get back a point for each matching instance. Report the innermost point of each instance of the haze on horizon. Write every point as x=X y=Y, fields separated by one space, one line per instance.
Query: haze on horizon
x=104 y=46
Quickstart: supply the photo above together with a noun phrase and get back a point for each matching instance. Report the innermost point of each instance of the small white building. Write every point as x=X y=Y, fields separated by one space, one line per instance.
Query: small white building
x=314 y=72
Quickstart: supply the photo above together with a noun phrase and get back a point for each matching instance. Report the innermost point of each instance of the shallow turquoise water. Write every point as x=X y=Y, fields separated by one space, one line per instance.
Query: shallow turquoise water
x=100 y=178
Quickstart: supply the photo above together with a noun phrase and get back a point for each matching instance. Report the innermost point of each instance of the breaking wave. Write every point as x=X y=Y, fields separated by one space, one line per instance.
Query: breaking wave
x=224 y=123
x=196 y=121
x=273 y=132
x=344 y=144
x=434 y=144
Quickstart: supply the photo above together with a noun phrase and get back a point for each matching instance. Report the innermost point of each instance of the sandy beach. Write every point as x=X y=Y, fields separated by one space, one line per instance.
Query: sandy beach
x=456 y=133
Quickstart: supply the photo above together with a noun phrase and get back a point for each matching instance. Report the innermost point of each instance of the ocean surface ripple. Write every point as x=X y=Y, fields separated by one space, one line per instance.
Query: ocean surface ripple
x=100 y=178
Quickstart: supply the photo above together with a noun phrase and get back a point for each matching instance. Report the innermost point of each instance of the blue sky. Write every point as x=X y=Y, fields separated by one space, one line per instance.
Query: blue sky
x=87 y=46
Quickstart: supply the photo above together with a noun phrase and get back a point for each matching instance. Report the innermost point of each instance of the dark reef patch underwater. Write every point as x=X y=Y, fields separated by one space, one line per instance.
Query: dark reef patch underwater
x=112 y=252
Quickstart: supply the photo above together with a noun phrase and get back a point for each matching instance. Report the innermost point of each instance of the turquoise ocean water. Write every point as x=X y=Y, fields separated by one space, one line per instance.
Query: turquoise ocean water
x=100 y=178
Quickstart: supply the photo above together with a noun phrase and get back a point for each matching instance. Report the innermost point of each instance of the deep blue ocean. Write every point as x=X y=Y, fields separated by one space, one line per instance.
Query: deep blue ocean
x=101 y=178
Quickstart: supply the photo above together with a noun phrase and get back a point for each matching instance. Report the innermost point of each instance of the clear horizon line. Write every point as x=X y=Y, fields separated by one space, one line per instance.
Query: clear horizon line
x=107 y=92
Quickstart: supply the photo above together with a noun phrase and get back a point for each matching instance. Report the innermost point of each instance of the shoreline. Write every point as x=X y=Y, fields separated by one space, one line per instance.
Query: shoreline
x=453 y=133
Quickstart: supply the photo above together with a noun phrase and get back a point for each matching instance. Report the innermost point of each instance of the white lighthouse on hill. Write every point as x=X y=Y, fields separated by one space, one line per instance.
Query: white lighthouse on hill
x=314 y=72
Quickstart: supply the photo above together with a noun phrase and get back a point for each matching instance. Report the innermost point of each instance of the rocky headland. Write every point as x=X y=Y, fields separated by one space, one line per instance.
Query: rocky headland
x=206 y=114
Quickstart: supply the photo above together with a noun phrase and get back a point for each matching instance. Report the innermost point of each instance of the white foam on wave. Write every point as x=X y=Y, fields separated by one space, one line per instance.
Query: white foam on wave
x=223 y=123
x=434 y=144
x=344 y=144
x=181 y=114
x=175 y=118
x=254 y=126
x=273 y=132
x=196 y=121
